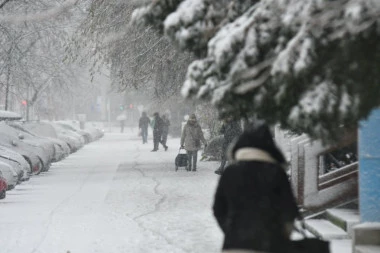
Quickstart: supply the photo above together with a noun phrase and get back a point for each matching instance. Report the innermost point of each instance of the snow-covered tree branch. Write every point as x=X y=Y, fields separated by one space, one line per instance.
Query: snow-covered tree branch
x=311 y=65
x=32 y=51
x=139 y=59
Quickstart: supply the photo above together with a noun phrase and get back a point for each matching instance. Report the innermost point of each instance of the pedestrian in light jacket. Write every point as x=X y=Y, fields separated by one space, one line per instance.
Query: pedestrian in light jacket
x=191 y=139
x=254 y=204
x=143 y=126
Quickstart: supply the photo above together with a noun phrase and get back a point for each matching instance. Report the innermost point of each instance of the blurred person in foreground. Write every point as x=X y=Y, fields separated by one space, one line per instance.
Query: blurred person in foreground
x=143 y=126
x=254 y=204
x=230 y=129
x=191 y=139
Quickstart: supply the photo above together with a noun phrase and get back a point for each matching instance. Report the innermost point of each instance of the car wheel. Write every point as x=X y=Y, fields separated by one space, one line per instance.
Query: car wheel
x=3 y=194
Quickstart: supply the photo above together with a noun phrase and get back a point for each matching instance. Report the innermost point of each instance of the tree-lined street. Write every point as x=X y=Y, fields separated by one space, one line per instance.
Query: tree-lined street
x=304 y=74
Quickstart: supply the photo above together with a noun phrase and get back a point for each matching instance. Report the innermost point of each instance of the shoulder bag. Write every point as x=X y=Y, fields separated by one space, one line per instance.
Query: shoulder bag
x=307 y=244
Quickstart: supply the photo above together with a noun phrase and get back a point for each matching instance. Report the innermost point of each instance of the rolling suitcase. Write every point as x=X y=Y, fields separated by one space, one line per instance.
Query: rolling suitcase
x=181 y=160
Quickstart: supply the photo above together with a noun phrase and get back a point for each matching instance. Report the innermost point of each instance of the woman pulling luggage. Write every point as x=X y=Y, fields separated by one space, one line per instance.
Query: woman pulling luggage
x=191 y=139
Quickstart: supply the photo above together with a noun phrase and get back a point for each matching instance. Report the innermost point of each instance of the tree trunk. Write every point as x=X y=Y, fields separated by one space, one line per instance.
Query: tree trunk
x=27 y=104
x=7 y=88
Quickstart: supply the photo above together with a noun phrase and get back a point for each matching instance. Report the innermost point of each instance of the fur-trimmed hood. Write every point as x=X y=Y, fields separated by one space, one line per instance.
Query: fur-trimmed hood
x=253 y=154
x=255 y=145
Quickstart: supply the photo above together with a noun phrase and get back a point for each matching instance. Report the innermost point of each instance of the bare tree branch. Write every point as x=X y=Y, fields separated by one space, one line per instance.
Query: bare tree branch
x=4 y=3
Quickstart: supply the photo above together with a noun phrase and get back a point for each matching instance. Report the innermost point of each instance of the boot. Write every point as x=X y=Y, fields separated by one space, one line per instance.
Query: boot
x=218 y=171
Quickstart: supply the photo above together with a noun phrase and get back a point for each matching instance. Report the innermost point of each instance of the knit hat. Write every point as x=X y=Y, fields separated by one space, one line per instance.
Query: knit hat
x=259 y=138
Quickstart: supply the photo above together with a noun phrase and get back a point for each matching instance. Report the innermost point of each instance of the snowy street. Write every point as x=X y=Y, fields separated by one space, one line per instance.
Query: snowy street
x=284 y=94
x=114 y=195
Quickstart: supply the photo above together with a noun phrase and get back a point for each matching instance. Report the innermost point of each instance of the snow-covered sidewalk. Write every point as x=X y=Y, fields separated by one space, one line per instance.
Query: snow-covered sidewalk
x=114 y=195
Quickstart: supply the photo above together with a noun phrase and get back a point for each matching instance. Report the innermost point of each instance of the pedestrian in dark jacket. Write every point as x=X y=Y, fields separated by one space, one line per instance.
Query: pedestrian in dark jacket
x=191 y=139
x=157 y=130
x=254 y=204
x=165 y=131
x=230 y=129
x=143 y=126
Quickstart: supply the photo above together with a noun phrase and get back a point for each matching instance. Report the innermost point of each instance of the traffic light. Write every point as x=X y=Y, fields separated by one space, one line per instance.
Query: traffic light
x=121 y=107
x=24 y=102
x=131 y=106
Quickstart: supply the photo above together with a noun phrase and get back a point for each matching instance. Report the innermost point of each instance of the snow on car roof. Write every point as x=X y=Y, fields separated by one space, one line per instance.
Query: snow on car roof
x=4 y=115
x=41 y=128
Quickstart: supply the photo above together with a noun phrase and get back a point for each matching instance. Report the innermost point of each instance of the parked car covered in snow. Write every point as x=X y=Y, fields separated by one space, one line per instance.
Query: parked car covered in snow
x=58 y=149
x=77 y=139
x=44 y=152
x=9 y=174
x=14 y=158
x=30 y=153
x=90 y=133
x=94 y=131
x=3 y=186
x=7 y=115
x=47 y=129
x=15 y=166
x=90 y=128
x=86 y=136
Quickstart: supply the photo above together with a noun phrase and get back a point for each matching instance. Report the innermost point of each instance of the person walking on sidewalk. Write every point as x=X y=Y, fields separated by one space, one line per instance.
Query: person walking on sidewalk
x=191 y=139
x=254 y=204
x=122 y=118
x=230 y=129
x=165 y=131
x=122 y=124
x=143 y=126
x=157 y=126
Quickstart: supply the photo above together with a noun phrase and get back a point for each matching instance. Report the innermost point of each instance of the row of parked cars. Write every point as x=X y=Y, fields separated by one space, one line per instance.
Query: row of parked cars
x=29 y=148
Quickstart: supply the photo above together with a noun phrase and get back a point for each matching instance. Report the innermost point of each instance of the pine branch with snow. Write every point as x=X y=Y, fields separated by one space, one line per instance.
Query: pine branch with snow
x=311 y=65
x=190 y=23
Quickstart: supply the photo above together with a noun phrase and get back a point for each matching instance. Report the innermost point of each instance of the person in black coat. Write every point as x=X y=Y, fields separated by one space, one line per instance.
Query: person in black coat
x=230 y=130
x=254 y=204
x=165 y=131
x=157 y=130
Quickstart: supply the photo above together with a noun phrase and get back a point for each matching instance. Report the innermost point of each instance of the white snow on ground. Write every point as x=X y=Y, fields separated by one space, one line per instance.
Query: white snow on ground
x=341 y=246
x=114 y=195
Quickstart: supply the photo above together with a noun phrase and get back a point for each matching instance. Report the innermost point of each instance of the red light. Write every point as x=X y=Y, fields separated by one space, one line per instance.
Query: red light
x=24 y=102
x=131 y=106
